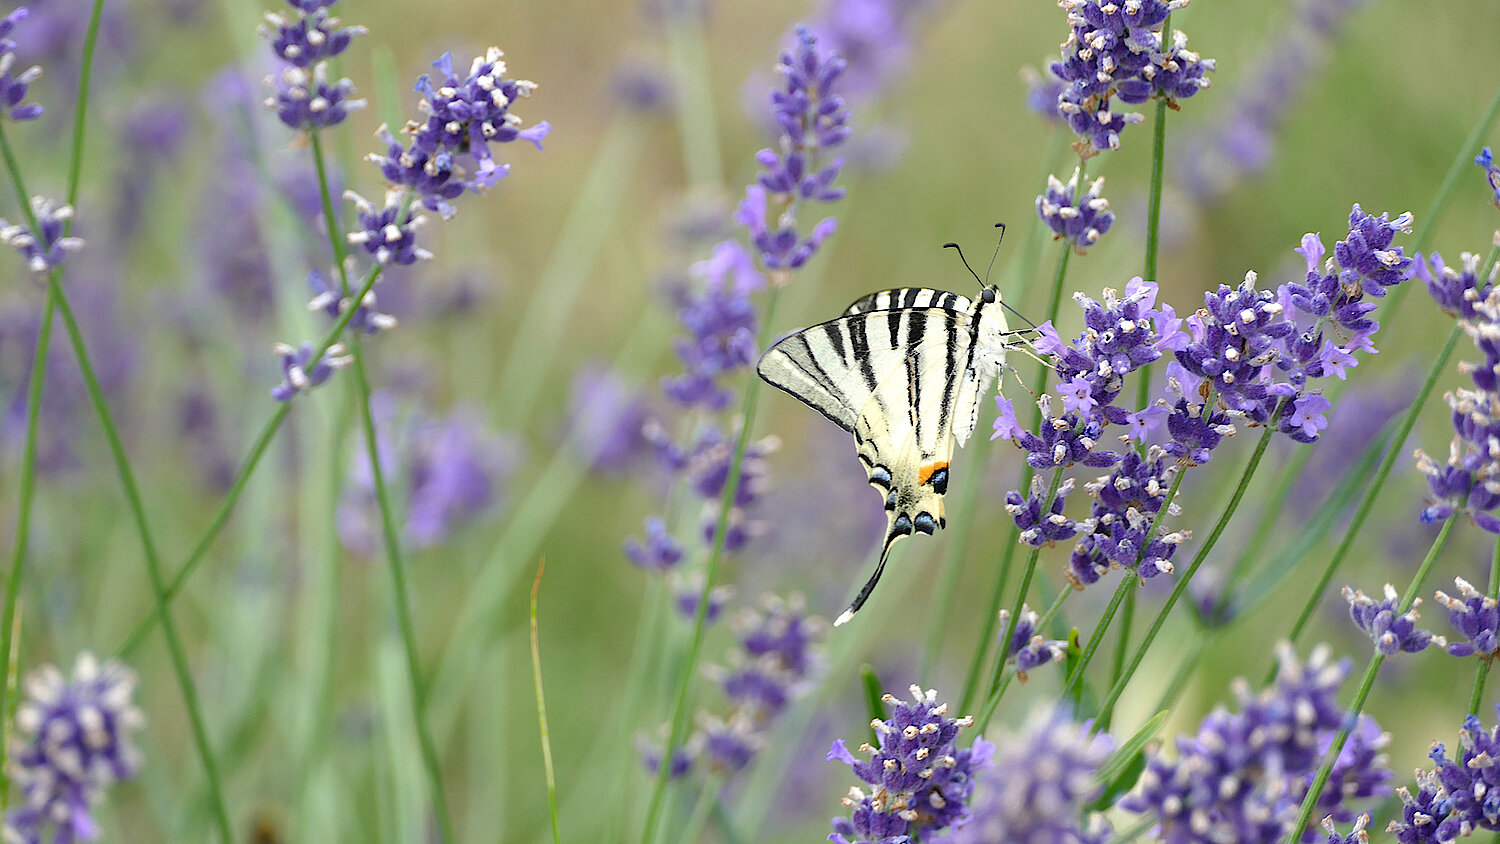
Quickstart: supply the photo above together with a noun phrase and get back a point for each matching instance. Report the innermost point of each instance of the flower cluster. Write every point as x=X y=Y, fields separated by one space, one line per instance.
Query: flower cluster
x=387 y=232
x=812 y=119
x=450 y=150
x=1486 y=160
x=721 y=325
x=776 y=661
x=1082 y=219
x=13 y=88
x=301 y=371
x=1123 y=528
x=301 y=94
x=1035 y=790
x=1243 y=776
x=921 y=781
x=72 y=741
x=1041 y=524
x=606 y=414
x=454 y=470
x=1476 y=616
x=47 y=252
x=1456 y=797
x=1028 y=646
x=1117 y=49
x=367 y=318
x=1391 y=633
x=1469 y=482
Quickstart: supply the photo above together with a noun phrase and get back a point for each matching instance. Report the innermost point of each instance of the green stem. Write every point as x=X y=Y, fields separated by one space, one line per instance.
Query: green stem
x=1486 y=660
x=1153 y=229
x=678 y=729
x=1122 y=642
x=401 y=597
x=1310 y=802
x=541 y=707
x=998 y=692
x=1367 y=503
x=1180 y=588
x=153 y=567
x=1126 y=582
x=252 y=460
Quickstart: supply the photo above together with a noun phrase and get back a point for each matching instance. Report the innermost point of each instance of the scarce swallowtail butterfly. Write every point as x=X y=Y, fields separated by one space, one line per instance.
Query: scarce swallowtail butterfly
x=904 y=371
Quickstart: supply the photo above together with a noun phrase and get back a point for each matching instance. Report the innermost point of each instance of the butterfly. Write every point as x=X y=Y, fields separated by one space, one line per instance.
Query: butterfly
x=904 y=371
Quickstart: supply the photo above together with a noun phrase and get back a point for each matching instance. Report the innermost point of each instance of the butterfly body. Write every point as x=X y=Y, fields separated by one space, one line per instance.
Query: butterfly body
x=904 y=371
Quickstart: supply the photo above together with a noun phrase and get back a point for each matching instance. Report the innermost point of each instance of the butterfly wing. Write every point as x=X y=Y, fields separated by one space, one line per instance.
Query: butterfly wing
x=911 y=297
x=893 y=378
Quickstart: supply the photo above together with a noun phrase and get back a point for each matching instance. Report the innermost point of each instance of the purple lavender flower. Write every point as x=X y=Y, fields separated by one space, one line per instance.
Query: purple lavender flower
x=452 y=467
x=682 y=757
x=727 y=746
x=642 y=86
x=51 y=251
x=1357 y=834
x=1082 y=219
x=659 y=551
x=1237 y=334
x=1029 y=647
x=1477 y=618
x=1041 y=525
x=1064 y=440
x=309 y=37
x=300 y=374
x=921 y=779
x=1366 y=258
x=308 y=101
x=466 y=115
x=1117 y=49
x=1391 y=633
x=366 y=320
x=1457 y=290
x=1486 y=159
x=721 y=324
x=1042 y=91
x=606 y=418
x=1035 y=790
x=1117 y=533
x=1243 y=776
x=72 y=741
x=388 y=233
x=689 y=591
x=13 y=88
x=812 y=119
x=1456 y=797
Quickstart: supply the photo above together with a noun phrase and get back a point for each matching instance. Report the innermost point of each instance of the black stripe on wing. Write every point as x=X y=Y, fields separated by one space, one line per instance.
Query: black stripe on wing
x=908 y=298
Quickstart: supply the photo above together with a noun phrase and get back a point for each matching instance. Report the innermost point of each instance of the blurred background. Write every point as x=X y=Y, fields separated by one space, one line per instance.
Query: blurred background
x=530 y=352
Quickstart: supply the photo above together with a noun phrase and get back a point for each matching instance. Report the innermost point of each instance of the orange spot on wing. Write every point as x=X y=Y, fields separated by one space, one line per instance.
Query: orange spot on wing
x=928 y=470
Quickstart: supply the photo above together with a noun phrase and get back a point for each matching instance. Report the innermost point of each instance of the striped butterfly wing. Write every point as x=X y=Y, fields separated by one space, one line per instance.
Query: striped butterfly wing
x=893 y=378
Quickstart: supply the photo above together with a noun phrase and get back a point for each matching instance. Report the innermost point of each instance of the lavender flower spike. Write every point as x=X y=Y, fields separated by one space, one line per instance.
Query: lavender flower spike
x=1082 y=219
x=300 y=374
x=1477 y=617
x=1391 y=633
x=72 y=740
x=13 y=88
x=389 y=233
x=1457 y=796
x=50 y=252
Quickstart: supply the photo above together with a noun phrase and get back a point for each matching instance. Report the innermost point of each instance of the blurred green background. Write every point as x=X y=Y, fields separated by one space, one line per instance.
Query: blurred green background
x=290 y=635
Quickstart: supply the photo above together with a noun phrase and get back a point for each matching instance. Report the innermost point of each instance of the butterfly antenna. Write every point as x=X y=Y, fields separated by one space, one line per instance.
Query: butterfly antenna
x=864 y=592
x=955 y=247
x=1001 y=227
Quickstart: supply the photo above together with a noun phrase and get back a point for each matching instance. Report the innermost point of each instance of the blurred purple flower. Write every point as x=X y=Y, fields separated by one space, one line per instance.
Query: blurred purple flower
x=1486 y=160
x=300 y=374
x=1027 y=644
x=451 y=471
x=308 y=101
x=659 y=551
x=72 y=741
x=388 y=232
x=309 y=37
x=14 y=87
x=367 y=318
x=48 y=251
x=606 y=418
x=721 y=324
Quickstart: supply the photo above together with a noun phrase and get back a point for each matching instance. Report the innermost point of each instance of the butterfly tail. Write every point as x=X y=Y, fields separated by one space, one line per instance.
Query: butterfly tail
x=864 y=592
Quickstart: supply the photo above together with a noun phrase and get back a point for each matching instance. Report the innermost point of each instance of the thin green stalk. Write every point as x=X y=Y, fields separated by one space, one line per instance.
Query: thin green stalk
x=401 y=598
x=1122 y=642
x=992 y=610
x=1180 y=588
x=541 y=706
x=1153 y=228
x=27 y=489
x=1482 y=673
x=993 y=702
x=1002 y=653
x=252 y=461
x=1126 y=582
x=702 y=808
x=1367 y=503
x=696 y=122
x=677 y=732
x=1310 y=802
x=153 y=568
